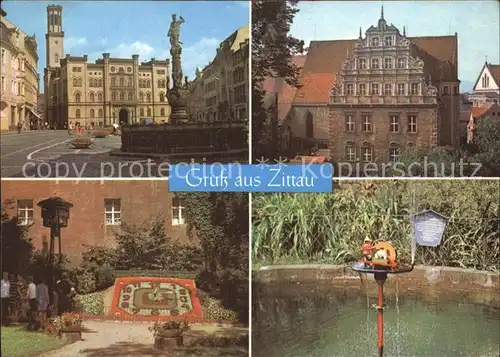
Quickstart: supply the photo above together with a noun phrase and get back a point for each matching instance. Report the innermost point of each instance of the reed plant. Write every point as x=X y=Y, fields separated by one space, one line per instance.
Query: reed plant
x=330 y=228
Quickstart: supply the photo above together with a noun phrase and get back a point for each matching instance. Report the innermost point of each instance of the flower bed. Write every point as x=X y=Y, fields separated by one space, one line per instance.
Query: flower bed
x=66 y=325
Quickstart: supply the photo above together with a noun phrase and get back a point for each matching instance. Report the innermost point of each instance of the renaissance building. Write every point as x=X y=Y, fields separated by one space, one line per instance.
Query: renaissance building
x=110 y=90
x=368 y=99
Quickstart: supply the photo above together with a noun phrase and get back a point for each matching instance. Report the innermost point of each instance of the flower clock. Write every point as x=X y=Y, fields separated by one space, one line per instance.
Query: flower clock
x=153 y=298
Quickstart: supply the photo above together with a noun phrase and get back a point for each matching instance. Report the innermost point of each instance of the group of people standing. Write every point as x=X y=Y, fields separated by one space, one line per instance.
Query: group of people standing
x=15 y=294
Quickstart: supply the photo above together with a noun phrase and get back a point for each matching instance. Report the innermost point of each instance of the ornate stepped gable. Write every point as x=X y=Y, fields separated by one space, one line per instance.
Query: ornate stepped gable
x=381 y=70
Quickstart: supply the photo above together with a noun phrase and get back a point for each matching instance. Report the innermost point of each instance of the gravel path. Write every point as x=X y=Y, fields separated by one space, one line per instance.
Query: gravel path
x=110 y=339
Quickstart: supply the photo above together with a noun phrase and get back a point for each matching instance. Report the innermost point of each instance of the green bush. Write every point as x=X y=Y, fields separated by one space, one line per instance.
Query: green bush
x=331 y=227
x=84 y=278
x=105 y=277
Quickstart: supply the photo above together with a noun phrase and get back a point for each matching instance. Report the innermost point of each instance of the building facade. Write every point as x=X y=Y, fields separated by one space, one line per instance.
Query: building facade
x=486 y=91
x=19 y=77
x=220 y=91
x=370 y=98
x=110 y=90
x=96 y=220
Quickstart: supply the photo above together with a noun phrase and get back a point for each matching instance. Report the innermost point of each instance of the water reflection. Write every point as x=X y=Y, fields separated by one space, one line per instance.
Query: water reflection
x=344 y=325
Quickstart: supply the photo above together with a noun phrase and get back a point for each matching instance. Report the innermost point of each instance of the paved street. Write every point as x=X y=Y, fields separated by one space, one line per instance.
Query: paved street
x=48 y=154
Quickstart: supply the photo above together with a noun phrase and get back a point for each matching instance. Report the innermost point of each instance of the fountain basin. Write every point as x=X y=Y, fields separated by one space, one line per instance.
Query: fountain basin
x=325 y=311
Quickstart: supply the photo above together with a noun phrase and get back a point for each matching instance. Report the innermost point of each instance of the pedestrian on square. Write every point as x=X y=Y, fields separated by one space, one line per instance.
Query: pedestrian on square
x=5 y=295
x=19 y=127
x=65 y=294
x=31 y=298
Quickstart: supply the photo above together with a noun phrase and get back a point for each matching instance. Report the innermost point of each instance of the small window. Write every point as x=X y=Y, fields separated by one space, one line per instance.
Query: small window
x=122 y=96
x=92 y=113
x=25 y=212
x=78 y=97
x=177 y=211
x=92 y=97
x=77 y=113
x=350 y=89
x=367 y=153
x=401 y=89
x=350 y=152
x=349 y=123
x=412 y=123
x=366 y=122
x=375 y=64
x=112 y=211
x=388 y=89
x=149 y=112
x=394 y=123
x=99 y=97
x=388 y=63
x=113 y=96
x=362 y=63
x=393 y=154
x=388 y=41
x=129 y=96
x=100 y=114
x=362 y=89
x=141 y=112
x=162 y=112
x=374 y=42
x=375 y=89
x=401 y=63
x=414 y=88
x=446 y=90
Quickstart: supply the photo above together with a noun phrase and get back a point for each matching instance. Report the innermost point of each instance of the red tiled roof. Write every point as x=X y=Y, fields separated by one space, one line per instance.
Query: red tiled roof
x=478 y=112
x=325 y=58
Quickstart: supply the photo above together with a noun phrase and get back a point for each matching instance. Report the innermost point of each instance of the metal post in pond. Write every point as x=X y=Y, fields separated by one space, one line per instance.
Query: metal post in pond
x=379 y=259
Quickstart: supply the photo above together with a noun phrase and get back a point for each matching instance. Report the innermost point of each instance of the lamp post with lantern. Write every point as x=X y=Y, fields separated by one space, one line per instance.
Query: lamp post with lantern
x=55 y=215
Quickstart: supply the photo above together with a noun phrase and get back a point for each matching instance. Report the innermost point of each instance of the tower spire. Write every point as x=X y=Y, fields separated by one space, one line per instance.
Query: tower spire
x=382 y=12
x=404 y=30
x=360 y=34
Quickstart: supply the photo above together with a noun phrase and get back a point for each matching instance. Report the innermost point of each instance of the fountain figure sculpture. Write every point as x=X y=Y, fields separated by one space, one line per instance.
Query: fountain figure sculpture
x=177 y=95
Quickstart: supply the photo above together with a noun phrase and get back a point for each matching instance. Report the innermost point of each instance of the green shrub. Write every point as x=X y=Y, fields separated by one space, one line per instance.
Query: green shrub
x=105 y=277
x=331 y=227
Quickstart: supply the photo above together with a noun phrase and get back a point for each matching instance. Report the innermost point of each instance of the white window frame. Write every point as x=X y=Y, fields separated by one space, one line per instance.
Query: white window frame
x=401 y=62
x=387 y=85
x=412 y=123
x=372 y=86
x=393 y=154
x=367 y=123
x=350 y=153
x=350 y=125
x=367 y=152
x=177 y=208
x=412 y=87
x=388 y=60
x=373 y=61
x=362 y=89
x=350 y=89
x=362 y=63
x=115 y=212
x=394 y=124
x=23 y=212
x=399 y=91
x=390 y=41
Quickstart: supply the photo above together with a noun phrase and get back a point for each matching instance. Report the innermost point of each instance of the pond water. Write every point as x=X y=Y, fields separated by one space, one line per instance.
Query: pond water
x=329 y=325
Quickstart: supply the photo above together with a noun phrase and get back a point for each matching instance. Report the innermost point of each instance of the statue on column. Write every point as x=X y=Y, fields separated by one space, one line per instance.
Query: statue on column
x=177 y=95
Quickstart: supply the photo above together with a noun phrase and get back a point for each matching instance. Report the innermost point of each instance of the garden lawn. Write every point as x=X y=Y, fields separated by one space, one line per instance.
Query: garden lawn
x=17 y=342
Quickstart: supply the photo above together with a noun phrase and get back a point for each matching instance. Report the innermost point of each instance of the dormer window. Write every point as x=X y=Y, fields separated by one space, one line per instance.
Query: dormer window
x=388 y=41
x=374 y=42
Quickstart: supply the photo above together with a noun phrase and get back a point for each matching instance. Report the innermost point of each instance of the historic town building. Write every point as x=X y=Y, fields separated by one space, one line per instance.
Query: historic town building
x=110 y=90
x=220 y=91
x=369 y=98
x=96 y=220
x=486 y=90
x=20 y=80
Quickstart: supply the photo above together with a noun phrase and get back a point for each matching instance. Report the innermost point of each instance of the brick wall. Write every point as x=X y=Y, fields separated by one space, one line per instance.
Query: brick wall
x=380 y=138
x=141 y=203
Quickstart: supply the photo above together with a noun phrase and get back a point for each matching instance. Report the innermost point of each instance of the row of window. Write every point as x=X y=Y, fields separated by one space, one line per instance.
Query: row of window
x=367 y=153
x=210 y=87
x=17 y=64
x=388 y=63
x=97 y=82
x=100 y=113
x=376 y=42
x=401 y=89
x=395 y=124
x=17 y=88
x=239 y=75
x=112 y=212
x=114 y=96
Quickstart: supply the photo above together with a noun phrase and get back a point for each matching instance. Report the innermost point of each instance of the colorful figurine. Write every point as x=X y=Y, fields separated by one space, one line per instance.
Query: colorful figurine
x=367 y=249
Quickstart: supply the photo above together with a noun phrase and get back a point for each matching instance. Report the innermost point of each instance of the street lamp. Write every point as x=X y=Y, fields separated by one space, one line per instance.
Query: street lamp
x=55 y=215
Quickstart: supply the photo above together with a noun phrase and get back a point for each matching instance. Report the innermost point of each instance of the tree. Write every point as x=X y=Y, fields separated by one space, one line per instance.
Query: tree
x=220 y=220
x=272 y=51
x=488 y=146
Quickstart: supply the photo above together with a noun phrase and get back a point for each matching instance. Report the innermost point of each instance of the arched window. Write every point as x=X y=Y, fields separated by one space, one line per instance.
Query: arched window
x=162 y=97
x=113 y=96
x=99 y=97
x=163 y=83
x=92 y=97
x=113 y=81
x=77 y=113
x=148 y=97
x=366 y=152
x=140 y=83
x=309 y=125
x=141 y=97
x=79 y=82
x=129 y=95
x=56 y=58
x=149 y=112
x=100 y=82
x=78 y=97
x=394 y=151
x=122 y=96
x=122 y=82
x=148 y=84
x=141 y=112
x=75 y=82
x=129 y=82
x=162 y=112
x=92 y=113
x=100 y=113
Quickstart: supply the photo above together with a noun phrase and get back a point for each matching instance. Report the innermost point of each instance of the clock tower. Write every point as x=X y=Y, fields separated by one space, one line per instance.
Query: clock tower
x=54 y=38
